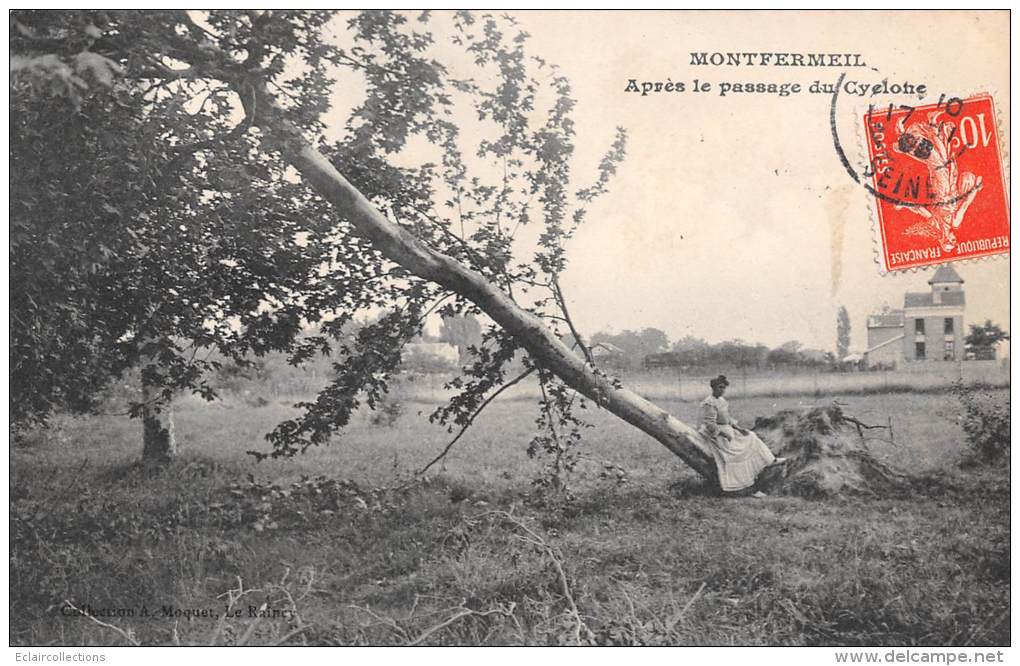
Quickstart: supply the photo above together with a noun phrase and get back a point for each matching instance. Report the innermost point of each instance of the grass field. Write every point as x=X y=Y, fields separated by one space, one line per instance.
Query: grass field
x=665 y=384
x=472 y=557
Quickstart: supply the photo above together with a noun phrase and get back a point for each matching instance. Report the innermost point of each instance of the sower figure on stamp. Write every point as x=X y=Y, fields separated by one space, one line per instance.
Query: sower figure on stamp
x=739 y=454
x=929 y=142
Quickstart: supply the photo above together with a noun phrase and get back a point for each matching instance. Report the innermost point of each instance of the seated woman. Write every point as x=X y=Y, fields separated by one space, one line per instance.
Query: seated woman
x=739 y=454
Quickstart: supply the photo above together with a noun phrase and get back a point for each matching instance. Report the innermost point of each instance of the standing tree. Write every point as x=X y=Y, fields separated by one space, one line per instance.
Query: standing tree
x=786 y=354
x=982 y=339
x=464 y=331
x=146 y=226
x=842 y=333
x=692 y=351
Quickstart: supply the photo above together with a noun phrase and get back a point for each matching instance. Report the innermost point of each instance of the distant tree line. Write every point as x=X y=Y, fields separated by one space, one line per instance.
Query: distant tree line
x=651 y=348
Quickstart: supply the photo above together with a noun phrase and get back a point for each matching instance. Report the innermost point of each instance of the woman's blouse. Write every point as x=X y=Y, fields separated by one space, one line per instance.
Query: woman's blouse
x=715 y=412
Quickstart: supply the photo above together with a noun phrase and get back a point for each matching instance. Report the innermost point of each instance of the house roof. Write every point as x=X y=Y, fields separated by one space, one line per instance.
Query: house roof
x=430 y=347
x=945 y=273
x=884 y=343
x=892 y=319
x=926 y=300
x=609 y=347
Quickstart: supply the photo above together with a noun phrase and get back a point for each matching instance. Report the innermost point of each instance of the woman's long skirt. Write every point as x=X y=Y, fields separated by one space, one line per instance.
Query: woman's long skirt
x=740 y=459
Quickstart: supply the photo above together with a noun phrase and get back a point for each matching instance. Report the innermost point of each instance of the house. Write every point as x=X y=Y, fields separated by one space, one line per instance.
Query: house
x=606 y=350
x=928 y=328
x=431 y=352
x=816 y=356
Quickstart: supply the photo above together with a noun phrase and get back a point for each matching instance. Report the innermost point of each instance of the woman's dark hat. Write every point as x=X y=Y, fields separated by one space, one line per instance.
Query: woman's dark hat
x=719 y=381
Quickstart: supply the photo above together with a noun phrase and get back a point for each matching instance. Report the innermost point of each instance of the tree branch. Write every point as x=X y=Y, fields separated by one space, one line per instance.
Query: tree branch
x=402 y=247
x=582 y=633
x=472 y=418
x=562 y=303
x=128 y=635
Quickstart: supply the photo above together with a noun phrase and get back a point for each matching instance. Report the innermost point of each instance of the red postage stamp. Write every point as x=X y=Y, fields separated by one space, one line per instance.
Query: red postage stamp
x=938 y=181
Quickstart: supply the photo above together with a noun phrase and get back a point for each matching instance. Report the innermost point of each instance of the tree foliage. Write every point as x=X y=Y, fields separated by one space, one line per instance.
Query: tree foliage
x=636 y=345
x=842 y=333
x=982 y=339
x=145 y=224
x=152 y=216
x=692 y=352
x=463 y=331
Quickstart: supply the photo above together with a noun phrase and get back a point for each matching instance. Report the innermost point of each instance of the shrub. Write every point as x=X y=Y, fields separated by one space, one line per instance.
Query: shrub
x=387 y=412
x=985 y=420
x=234 y=377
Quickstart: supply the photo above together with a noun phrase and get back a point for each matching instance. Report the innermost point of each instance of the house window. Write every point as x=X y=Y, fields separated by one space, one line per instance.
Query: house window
x=948 y=326
x=919 y=326
x=950 y=352
x=919 y=351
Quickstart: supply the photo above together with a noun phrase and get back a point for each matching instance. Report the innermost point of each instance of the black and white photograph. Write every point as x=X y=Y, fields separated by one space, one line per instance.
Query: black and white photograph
x=509 y=328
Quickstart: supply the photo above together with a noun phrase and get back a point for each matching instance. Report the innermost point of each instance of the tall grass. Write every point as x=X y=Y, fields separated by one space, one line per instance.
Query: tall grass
x=473 y=556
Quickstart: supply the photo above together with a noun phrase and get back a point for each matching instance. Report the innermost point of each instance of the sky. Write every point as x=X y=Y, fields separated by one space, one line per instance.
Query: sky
x=732 y=216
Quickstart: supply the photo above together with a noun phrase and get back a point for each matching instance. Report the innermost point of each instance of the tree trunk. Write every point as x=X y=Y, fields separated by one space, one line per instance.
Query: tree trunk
x=158 y=442
x=401 y=247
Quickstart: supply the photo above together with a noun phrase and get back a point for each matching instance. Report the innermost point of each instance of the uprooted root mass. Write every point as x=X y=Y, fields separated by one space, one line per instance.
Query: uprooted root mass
x=827 y=455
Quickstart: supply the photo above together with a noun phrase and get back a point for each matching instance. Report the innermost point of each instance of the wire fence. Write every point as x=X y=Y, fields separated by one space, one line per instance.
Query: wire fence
x=664 y=385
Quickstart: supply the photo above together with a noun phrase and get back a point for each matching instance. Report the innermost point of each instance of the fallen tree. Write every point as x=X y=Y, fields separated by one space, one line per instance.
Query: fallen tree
x=401 y=256
x=403 y=248
x=526 y=328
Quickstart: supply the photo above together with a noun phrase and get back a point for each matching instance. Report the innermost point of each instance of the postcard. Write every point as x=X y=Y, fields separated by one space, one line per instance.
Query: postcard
x=510 y=328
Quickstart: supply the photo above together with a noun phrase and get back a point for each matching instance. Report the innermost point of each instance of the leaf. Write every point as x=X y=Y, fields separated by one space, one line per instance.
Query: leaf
x=100 y=68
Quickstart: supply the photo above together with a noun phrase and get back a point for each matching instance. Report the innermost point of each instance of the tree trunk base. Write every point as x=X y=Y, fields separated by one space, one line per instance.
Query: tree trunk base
x=826 y=457
x=159 y=445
